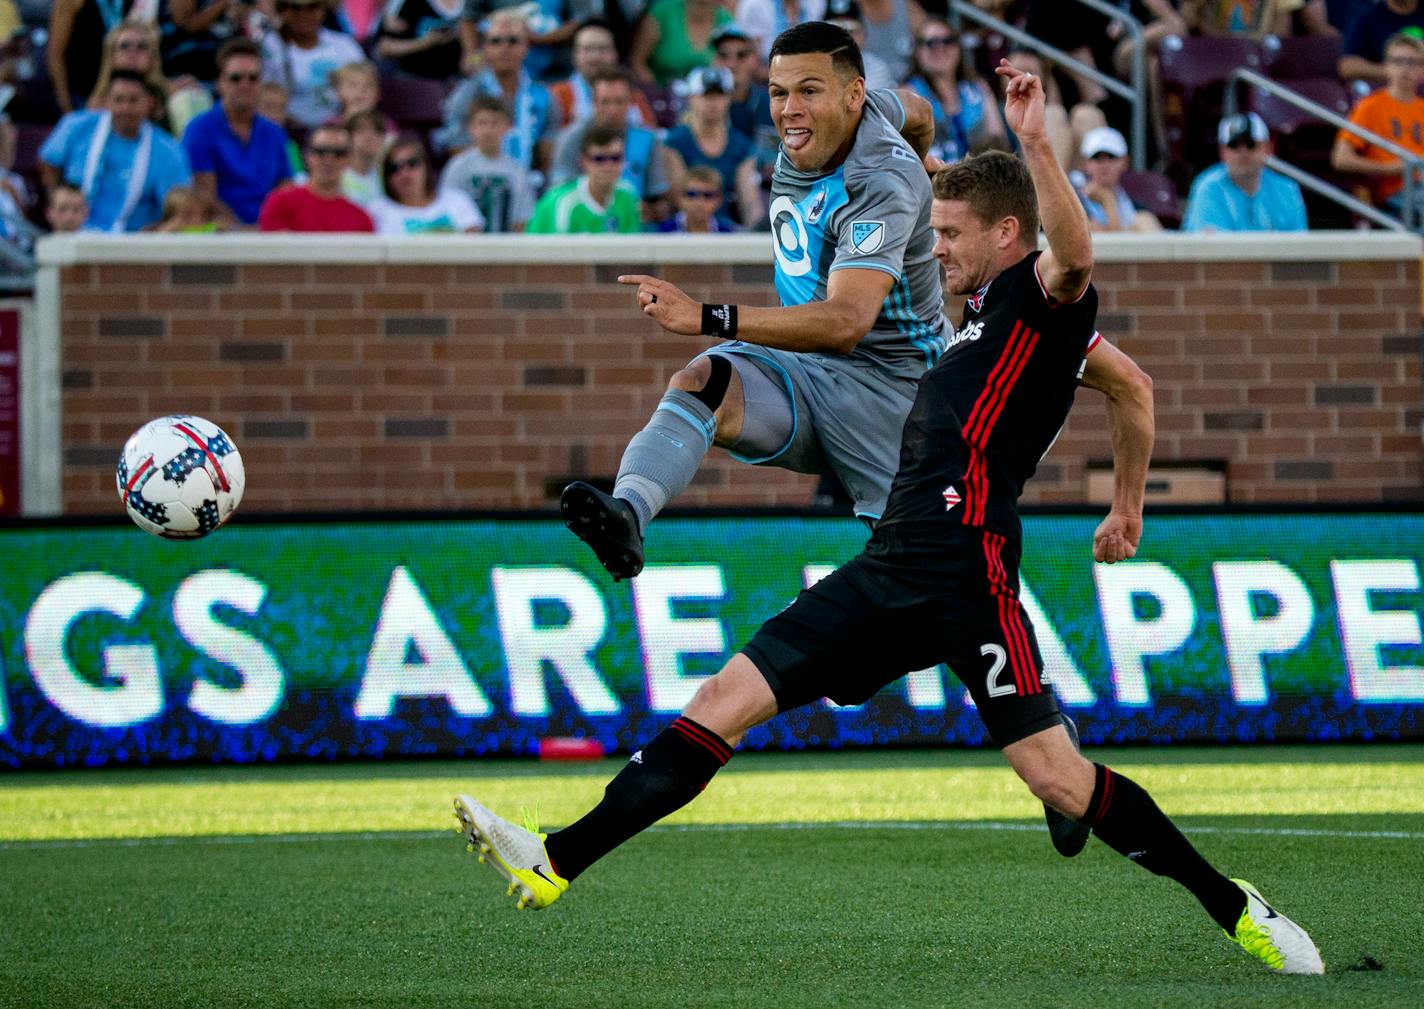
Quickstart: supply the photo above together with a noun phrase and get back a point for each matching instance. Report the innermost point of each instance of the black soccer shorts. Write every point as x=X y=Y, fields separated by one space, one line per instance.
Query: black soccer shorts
x=872 y=621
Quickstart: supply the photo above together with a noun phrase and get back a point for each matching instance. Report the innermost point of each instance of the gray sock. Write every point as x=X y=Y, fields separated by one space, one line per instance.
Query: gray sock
x=662 y=458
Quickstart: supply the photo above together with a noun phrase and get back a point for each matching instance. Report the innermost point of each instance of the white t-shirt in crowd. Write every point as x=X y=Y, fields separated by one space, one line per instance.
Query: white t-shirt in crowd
x=450 y=212
x=306 y=73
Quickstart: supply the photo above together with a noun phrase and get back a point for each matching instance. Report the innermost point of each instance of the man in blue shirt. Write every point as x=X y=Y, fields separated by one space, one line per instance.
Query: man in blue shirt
x=237 y=156
x=121 y=162
x=1241 y=193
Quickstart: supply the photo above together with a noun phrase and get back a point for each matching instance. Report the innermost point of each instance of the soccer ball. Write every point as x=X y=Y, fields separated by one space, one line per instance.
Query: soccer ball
x=180 y=477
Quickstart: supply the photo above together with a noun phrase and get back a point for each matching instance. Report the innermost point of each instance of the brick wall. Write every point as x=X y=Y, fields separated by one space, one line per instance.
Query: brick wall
x=487 y=373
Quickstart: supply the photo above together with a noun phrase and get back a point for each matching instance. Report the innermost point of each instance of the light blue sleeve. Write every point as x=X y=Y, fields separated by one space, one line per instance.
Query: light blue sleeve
x=1205 y=208
x=56 y=148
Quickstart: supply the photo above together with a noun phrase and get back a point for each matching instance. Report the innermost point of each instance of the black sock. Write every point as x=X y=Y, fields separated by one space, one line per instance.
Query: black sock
x=1128 y=821
x=660 y=779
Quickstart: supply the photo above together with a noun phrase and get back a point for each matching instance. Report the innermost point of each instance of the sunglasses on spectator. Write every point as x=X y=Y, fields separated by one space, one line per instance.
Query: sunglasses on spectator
x=735 y=54
x=129 y=45
x=1406 y=61
x=701 y=194
x=1244 y=144
x=604 y=159
x=328 y=152
x=1102 y=156
x=240 y=78
x=404 y=163
x=504 y=40
x=939 y=41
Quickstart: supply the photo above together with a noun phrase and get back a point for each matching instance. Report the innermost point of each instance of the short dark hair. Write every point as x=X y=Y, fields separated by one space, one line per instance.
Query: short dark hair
x=237 y=47
x=599 y=136
x=373 y=118
x=132 y=76
x=995 y=185
x=611 y=74
x=489 y=103
x=821 y=37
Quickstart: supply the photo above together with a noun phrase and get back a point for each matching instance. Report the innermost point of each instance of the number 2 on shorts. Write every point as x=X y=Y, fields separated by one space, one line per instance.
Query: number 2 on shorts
x=997 y=689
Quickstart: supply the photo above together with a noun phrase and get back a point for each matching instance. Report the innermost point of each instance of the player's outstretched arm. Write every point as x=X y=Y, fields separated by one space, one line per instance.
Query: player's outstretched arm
x=835 y=326
x=1130 y=419
x=1067 y=266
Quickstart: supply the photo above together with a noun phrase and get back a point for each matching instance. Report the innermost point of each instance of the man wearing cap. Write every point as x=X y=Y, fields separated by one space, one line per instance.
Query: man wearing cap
x=706 y=137
x=1241 y=193
x=645 y=158
x=1107 y=204
x=1395 y=112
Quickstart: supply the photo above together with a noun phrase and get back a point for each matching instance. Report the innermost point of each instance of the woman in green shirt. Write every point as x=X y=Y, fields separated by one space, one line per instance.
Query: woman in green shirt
x=675 y=38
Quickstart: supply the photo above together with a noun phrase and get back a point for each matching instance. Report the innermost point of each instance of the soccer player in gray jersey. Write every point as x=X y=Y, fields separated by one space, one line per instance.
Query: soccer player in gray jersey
x=823 y=382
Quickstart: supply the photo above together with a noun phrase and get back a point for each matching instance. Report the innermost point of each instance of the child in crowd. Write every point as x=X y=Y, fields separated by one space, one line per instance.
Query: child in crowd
x=497 y=183
x=358 y=89
x=361 y=181
x=67 y=209
x=699 y=204
x=186 y=212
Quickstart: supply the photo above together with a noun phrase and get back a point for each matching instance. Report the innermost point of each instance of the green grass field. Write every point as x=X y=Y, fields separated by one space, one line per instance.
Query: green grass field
x=898 y=879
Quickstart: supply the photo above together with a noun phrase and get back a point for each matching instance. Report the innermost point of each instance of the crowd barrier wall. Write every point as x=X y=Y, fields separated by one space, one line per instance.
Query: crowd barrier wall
x=481 y=372
x=331 y=640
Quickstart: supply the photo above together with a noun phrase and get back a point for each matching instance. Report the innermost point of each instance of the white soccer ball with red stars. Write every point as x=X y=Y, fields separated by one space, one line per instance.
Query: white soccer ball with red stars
x=180 y=477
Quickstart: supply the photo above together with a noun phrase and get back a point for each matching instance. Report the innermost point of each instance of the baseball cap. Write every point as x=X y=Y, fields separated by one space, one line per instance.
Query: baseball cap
x=708 y=81
x=729 y=31
x=1242 y=126
x=1104 y=140
x=843 y=10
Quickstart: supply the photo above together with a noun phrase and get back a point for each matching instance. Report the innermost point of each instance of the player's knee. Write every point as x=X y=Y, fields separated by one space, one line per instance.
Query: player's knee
x=706 y=379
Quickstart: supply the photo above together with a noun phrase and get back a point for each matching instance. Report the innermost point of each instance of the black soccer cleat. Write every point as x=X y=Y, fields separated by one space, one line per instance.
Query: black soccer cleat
x=606 y=524
x=1068 y=835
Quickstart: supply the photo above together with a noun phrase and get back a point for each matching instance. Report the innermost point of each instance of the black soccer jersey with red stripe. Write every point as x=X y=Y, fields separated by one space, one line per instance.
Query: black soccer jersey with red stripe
x=988 y=411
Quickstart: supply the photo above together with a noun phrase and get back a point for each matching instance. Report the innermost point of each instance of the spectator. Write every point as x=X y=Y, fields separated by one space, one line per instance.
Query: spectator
x=421 y=37
x=1395 y=112
x=1107 y=204
x=188 y=212
x=416 y=205
x=76 y=40
x=498 y=185
x=763 y=20
x=122 y=163
x=846 y=14
x=301 y=55
x=645 y=158
x=890 y=28
x=751 y=104
x=318 y=204
x=706 y=137
x=1363 y=56
x=133 y=45
x=594 y=52
x=674 y=38
x=965 y=110
x=699 y=202
x=361 y=180
x=357 y=87
x=237 y=156
x=272 y=105
x=598 y=201
x=192 y=32
x=550 y=25
x=1233 y=19
x=506 y=43
x=1241 y=193
x=67 y=209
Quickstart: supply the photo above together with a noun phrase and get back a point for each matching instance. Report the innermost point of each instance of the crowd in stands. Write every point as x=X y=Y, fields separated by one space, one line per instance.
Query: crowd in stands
x=407 y=117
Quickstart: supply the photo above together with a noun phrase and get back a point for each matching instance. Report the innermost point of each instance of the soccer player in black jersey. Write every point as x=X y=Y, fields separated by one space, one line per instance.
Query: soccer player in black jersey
x=938 y=581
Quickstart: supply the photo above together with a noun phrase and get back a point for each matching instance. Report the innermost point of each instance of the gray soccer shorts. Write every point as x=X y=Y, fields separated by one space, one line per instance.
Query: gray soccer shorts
x=814 y=413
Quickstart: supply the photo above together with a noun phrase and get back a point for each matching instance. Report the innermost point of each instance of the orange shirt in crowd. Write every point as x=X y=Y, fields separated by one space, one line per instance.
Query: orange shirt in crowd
x=1399 y=122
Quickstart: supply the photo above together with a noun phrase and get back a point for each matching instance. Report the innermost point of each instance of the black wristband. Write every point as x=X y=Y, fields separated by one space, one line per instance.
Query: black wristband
x=719 y=320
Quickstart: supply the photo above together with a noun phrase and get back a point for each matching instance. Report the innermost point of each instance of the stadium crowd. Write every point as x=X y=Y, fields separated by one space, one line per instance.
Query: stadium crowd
x=419 y=116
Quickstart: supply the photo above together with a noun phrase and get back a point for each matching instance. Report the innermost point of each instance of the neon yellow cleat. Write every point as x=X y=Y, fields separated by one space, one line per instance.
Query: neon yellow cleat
x=516 y=853
x=1273 y=938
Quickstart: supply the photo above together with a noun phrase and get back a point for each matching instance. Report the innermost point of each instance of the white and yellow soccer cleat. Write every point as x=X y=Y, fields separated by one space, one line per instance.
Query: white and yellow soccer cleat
x=514 y=852
x=1274 y=939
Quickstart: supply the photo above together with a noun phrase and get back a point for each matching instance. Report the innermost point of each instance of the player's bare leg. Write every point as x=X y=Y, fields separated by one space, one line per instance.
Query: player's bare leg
x=1126 y=819
x=702 y=407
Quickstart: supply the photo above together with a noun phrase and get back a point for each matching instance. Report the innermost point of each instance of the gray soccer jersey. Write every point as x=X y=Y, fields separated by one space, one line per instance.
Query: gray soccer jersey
x=872 y=212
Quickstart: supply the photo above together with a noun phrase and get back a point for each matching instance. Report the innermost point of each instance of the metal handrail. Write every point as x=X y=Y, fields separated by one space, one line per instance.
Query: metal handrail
x=1135 y=93
x=1410 y=167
